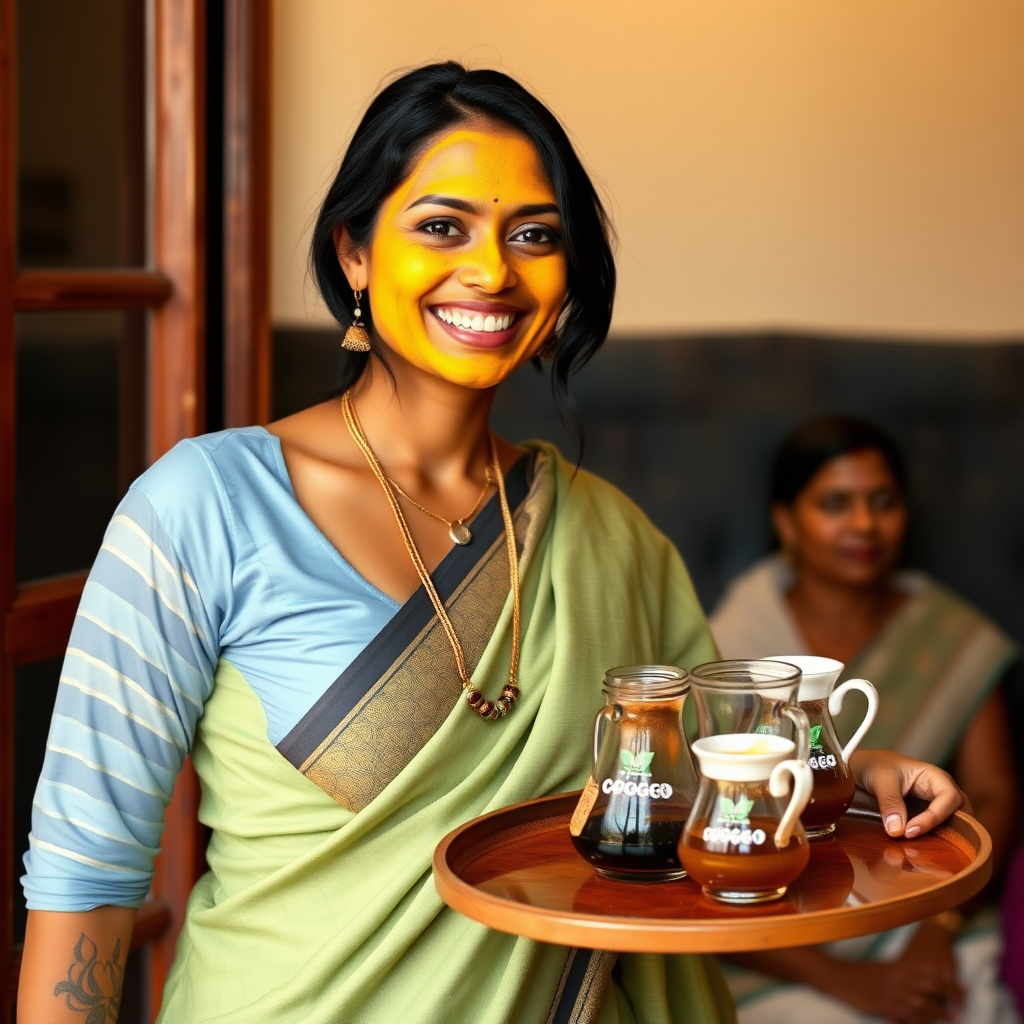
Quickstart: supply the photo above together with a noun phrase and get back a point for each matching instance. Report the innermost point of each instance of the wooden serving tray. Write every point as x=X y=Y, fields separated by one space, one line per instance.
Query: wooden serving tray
x=515 y=870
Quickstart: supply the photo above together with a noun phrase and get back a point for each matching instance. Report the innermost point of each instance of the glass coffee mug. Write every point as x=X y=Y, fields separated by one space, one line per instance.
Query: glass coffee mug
x=744 y=695
x=834 y=784
x=633 y=808
x=743 y=842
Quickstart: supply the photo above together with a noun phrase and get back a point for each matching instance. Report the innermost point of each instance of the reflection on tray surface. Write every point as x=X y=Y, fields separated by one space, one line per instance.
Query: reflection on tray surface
x=858 y=865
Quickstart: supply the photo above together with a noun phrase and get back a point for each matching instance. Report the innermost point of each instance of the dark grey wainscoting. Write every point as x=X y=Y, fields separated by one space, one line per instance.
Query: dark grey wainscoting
x=686 y=426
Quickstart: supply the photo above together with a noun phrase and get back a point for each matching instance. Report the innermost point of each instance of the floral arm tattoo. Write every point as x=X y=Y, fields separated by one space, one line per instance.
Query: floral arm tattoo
x=93 y=987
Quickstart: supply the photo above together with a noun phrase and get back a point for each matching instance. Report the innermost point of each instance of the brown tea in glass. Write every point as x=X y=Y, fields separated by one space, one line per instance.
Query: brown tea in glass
x=743 y=842
x=755 y=868
x=631 y=813
x=834 y=784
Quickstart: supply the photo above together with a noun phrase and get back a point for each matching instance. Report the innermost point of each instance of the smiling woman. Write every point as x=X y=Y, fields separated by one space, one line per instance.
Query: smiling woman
x=447 y=261
x=375 y=620
x=413 y=122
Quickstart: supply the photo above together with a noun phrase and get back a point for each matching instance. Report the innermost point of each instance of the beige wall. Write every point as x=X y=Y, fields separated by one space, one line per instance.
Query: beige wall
x=849 y=167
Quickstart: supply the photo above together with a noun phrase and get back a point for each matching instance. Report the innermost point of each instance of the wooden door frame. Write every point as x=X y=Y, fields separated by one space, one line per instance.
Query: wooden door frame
x=247 y=120
x=8 y=138
x=176 y=68
x=36 y=617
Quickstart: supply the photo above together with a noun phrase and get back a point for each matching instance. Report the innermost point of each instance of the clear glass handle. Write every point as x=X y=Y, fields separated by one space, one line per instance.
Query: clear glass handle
x=610 y=712
x=778 y=786
x=801 y=730
x=835 y=705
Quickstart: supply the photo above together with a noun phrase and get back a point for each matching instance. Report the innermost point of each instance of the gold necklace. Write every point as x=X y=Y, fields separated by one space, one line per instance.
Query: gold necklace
x=476 y=700
x=457 y=528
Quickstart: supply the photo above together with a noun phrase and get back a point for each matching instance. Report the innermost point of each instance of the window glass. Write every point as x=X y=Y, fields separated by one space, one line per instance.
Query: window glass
x=80 y=433
x=81 y=136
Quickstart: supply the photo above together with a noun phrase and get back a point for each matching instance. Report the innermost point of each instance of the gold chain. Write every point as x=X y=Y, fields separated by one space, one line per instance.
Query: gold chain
x=457 y=528
x=510 y=692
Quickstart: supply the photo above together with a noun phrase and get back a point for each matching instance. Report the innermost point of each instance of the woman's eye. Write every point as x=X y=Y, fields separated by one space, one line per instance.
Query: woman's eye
x=833 y=503
x=535 y=234
x=441 y=228
x=884 y=501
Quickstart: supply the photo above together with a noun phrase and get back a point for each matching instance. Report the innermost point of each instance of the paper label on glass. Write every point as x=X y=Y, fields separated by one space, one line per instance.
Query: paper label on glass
x=584 y=807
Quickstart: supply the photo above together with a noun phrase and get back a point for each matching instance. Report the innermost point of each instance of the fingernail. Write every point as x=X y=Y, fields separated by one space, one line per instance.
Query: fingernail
x=893 y=824
x=913 y=831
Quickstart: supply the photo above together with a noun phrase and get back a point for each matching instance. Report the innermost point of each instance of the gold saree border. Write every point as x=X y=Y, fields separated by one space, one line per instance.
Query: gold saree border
x=400 y=706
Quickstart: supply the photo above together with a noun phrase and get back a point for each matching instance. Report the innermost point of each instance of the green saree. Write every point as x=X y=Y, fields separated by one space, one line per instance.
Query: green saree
x=319 y=905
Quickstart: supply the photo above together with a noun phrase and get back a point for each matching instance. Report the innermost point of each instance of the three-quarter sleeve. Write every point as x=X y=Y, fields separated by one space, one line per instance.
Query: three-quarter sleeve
x=137 y=673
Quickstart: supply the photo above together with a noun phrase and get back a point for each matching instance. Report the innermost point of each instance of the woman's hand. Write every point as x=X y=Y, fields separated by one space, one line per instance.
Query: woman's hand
x=889 y=777
x=918 y=988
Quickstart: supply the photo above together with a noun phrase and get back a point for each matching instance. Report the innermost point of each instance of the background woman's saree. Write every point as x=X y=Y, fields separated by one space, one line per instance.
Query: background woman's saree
x=319 y=905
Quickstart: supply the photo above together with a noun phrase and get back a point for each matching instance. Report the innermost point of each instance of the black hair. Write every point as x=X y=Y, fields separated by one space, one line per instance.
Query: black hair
x=810 y=446
x=402 y=118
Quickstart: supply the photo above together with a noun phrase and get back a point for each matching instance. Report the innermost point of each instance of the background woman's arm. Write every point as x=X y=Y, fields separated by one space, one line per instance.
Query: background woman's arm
x=984 y=768
x=73 y=966
x=916 y=988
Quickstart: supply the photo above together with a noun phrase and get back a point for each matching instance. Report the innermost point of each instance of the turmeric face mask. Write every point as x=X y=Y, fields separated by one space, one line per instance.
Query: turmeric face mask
x=466 y=271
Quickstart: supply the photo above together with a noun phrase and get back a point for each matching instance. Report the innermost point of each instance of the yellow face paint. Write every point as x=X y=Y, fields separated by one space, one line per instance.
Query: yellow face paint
x=466 y=271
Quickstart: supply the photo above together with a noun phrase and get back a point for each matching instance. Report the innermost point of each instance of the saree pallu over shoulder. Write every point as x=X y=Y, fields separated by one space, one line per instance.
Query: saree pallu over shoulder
x=319 y=905
x=933 y=664
x=388 y=703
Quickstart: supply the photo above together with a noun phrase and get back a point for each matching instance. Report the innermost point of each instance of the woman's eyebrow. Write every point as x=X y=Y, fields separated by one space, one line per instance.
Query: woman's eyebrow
x=528 y=210
x=532 y=209
x=450 y=201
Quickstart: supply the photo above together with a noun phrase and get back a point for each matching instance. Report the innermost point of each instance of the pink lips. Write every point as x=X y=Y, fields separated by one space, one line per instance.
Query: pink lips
x=480 y=339
x=864 y=555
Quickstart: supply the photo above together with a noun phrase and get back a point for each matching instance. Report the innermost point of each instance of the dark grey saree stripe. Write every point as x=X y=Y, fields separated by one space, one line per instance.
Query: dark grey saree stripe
x=575 y=980
x=381 y=652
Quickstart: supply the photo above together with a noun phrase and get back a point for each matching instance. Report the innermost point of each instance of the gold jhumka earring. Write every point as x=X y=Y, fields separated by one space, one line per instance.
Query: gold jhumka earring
x=356 y=339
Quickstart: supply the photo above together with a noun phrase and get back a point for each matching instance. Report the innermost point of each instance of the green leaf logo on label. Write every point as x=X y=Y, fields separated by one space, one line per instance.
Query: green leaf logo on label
x=637 y=764
x=737 y=813
x=816 y=736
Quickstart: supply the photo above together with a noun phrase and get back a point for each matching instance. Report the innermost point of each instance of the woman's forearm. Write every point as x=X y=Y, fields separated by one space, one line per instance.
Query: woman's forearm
x=73 y=964
x=805 y=965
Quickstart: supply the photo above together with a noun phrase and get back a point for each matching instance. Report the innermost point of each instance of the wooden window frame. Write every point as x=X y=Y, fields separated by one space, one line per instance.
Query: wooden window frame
x=37 y=616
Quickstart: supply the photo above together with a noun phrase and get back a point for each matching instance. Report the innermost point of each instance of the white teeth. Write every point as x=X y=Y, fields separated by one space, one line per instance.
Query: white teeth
x=488 y=324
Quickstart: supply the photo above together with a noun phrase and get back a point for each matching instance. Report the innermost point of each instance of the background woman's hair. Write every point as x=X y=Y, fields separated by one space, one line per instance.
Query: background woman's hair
x=810 y=446
x=399 y=122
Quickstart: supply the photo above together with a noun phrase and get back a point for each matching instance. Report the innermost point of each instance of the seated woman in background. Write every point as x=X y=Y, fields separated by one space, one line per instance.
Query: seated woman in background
x=839 y=510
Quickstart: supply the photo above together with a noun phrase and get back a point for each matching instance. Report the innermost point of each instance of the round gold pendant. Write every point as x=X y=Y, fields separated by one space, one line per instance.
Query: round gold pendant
x=459 y=532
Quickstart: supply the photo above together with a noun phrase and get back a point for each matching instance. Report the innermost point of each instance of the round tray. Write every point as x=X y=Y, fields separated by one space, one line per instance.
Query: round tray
x=515 y=870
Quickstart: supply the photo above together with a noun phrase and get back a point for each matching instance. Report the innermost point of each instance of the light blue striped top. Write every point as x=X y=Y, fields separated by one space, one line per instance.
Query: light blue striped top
x=208 y=556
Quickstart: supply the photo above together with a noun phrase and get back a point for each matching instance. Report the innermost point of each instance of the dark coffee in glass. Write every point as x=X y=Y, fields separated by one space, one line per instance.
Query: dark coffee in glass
x=632 y=811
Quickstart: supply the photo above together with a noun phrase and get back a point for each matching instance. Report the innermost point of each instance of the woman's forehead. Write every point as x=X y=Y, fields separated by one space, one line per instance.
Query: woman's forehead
x=858 y=468
x=477 y=164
